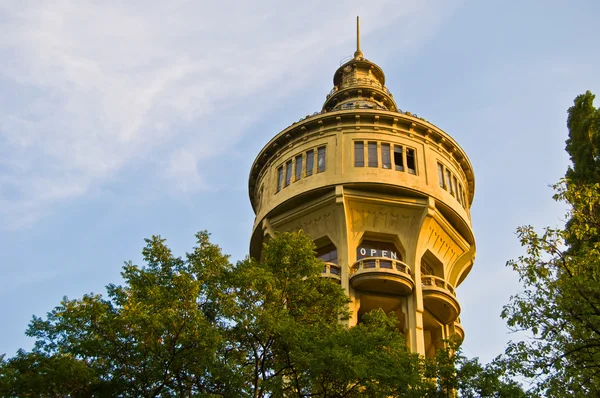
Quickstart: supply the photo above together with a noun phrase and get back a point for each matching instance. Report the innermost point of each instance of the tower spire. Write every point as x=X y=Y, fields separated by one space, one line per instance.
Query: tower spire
x=358 y=54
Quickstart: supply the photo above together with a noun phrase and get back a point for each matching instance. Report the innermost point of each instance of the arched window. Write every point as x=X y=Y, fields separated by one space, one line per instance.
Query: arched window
x=328 y=253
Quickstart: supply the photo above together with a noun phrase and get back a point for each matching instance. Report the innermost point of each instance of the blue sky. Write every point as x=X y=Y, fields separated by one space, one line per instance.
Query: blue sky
x=120 y=120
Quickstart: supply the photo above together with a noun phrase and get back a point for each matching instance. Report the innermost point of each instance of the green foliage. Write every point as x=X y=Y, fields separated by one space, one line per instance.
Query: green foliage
x=151 y=336
x=476 y=380
x=560 y=273
x=36 y=374
x=201 y=327
x=583 y=144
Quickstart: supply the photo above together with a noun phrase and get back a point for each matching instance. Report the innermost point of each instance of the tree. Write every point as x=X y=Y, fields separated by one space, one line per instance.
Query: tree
x=152 y=336
x=36 y=374
x=583 y=144
x=200 y=326
x=560 y=272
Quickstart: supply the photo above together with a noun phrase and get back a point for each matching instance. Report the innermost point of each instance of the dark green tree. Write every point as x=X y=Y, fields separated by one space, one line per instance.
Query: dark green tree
x=583 y=144
x=35 y=374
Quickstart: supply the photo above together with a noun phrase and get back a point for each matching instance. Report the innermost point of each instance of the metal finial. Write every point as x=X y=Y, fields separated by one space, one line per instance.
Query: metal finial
x=358 y=54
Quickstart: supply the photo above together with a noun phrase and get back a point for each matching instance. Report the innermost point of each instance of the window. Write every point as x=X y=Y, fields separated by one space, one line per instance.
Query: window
x=410 y=161
x=279 y=178
x=288 y=172
x=386 y=162
x=321 y=159
x=441 y=175
x=298 y=167
x=400 y=157
x=462 y=196
x=372 y=152
x=328 y=254
x=426 y=269
x=359 y=154
x=310 y=162
x=398 y=161
x=455 y=187
x=449 y=182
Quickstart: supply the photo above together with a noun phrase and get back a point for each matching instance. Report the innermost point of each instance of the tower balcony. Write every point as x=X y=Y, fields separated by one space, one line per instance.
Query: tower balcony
x=439 y=298
x=382 y=274
x=359 y=82
x=459 y=331
x=332 y=271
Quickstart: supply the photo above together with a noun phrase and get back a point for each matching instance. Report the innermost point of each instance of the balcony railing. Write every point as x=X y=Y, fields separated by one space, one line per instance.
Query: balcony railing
x=380 y=262
x=382 y=274
x=434 y=281
x=458 y=329
x=440 y=298
x=332 y=270
x=360 y=81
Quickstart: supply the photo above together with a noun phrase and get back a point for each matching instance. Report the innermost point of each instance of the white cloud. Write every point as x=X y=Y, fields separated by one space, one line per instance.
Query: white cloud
x=90 y=87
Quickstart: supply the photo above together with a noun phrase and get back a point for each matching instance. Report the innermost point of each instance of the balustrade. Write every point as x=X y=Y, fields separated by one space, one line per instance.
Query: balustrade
x=434 y=281
x=332 y=270
x=360 y=81
x=380 y=263
x=440 y=298
x=382 y=274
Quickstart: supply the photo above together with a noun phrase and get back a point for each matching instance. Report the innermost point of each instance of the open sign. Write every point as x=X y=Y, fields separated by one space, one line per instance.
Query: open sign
x=371 y=252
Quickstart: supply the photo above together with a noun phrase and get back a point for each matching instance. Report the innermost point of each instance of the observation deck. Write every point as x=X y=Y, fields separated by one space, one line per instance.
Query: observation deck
x=439 y=298
x=332 y=271
x=382 y=274
x=459 y=331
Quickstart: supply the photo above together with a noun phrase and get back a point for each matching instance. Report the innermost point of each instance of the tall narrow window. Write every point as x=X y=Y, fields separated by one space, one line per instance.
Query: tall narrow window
x=449 y=182
x=359 y=154
x=298 y=167
x=310 y=162
x=398 y=161
x=455 y=187
x=288 y=172
x=386 y=162
x=372 y=152
x=279 y=178
x=462 y=196
x=260 y=195
x=410 y=161
x=321 y=159
x=441 y=175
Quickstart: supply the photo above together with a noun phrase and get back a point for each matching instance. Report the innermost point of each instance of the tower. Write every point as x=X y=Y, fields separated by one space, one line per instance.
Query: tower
x=386 y=197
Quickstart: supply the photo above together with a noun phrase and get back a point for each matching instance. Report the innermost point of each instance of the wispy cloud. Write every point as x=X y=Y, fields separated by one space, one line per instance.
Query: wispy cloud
x=89 y=88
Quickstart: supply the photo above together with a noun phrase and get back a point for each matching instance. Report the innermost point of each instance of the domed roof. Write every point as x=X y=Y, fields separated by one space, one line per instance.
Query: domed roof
x=359 y=83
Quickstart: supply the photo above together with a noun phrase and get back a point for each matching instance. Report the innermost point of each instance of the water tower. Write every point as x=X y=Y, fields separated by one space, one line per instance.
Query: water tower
x=384 y=194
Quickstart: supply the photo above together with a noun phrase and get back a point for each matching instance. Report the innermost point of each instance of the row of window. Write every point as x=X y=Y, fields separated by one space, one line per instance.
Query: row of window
x=450 y=183
x=399 y=157
x=293 y=168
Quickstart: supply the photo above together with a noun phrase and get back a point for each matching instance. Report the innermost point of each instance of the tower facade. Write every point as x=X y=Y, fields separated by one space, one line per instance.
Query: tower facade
x=386 y=197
